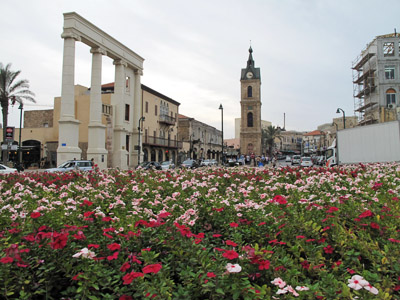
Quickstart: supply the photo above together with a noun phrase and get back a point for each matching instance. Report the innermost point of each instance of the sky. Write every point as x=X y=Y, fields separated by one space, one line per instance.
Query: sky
x=194 y=51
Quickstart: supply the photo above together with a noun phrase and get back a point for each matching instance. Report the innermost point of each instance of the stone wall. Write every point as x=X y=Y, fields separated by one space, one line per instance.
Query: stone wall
x=38 y=118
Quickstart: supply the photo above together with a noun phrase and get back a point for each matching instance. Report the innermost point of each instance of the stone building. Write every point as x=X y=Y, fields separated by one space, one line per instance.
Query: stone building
x=376 y=78
x=250 y=95
x=199 y=140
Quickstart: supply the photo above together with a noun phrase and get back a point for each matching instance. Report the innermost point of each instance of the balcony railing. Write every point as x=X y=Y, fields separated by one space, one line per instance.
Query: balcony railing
x=167 y=120
x=162 y=142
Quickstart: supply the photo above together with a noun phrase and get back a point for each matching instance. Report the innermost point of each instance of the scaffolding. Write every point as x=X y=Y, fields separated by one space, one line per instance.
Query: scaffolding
x=364 y=69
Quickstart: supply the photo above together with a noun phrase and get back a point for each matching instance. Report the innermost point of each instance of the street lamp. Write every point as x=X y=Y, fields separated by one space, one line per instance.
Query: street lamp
x=140 y=130
x=222 y=129
x=19 y=167
x=344 y=116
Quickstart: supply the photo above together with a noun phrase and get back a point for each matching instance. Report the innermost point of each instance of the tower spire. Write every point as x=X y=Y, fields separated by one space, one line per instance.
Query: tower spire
x=250 y=61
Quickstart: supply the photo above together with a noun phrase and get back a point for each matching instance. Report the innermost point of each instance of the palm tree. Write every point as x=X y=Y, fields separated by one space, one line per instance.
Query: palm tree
x=11 y=91
x=269 y=135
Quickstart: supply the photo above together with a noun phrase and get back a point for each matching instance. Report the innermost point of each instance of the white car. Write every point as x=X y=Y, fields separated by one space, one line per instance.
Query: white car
x=306 y=162
x=296 y=159
x=166 y=165
x=208 y=163
x=82 y=165
x=6 y=170
x=288 y=158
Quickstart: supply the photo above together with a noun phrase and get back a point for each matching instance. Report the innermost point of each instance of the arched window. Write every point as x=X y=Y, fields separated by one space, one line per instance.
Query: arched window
x=249 y=91
x=250 y=119
x=390 y=97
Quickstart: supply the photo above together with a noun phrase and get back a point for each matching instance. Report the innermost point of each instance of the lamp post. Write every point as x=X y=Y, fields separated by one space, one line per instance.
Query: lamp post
x=140 y=130
x=19 y=168
x=222 y=129
x=344 y=116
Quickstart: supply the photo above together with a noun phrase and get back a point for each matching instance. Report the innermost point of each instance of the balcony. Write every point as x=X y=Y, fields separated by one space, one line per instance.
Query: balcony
x=165 y=119
x=161 y=142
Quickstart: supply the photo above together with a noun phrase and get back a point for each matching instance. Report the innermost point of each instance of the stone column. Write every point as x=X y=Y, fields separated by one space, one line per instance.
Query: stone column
x=120 y=154
x=96 y=129
x=137 y=114
x=68 y=136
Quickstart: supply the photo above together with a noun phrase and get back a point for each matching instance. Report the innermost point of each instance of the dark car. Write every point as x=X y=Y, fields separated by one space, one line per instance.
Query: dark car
x=150 y=165
x=190 y=164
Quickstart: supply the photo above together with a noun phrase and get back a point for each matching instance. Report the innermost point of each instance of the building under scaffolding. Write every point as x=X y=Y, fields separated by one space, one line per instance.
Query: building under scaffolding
x=376 y=79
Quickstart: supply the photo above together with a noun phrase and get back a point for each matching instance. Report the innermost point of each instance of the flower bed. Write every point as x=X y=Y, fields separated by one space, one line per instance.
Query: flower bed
x=239 y=233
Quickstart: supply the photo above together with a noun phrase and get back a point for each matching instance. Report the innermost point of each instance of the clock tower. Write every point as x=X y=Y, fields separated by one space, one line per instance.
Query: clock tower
x=250 y=102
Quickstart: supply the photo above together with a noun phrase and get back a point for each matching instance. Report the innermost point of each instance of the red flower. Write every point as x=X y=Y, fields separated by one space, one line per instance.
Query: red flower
x=394 y=241
x=230 y=254
x=280 y=199
x=35 y=215
x=332 y=209
x=93 y=246
x=263 y=265
x=125 y=267
x=114 y=246
x=211 y=275
x=60 y=240
x=6 y=260
x=230 y=243
x=366 y=214
x=350 y=271
x=88 y=214
x=217 y=235
x=87 y=202
x=106 y=219
x=76 y=277
x=114 y=256
x=374 y=225
x=130 y=276
x=328 y=249
x=300 y=237
x=125 y=297
x=305 y=264
x=233 y=224
x=155 y=268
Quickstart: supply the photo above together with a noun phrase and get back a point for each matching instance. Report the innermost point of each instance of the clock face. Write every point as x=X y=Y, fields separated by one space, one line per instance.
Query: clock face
x=249 y=75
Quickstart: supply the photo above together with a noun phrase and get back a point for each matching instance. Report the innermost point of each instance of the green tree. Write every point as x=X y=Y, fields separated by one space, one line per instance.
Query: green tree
x=268 y=135
x=11 y=91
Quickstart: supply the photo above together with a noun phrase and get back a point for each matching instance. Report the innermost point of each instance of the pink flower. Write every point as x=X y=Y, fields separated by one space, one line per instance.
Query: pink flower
x=371 y=289
x=233 y=268
x=279 y=282
x=357 y=282
x=302 y=288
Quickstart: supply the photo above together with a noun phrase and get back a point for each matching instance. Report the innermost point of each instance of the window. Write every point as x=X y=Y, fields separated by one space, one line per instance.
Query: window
x=390 y=97
x=147 y=107
x=389 y=72
x=155 y=110
x=388 y=49
x=250 y=119
x=128 y=82
x=127 y=143
x=46 y=125
x=249 y=91
x=126 y=112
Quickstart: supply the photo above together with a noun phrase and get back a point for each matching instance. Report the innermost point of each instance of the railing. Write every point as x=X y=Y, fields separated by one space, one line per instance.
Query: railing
x=167 y=119
x=159 y=141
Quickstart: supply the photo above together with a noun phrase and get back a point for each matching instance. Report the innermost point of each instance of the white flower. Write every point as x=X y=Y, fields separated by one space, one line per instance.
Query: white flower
x=281 y=291
x=233 y=268
x=86 y=253
x=279 y=282
x=371 y=289
x=302 y=288
x=357 y=282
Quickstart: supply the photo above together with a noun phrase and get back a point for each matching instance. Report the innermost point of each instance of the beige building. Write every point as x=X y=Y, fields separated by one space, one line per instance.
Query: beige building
x=159 y=129
x=376 y=79
x=289 y=141
x=199 y=140
x=238 y=122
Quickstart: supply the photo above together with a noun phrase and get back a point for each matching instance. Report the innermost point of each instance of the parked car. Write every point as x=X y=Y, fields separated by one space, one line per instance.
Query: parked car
x=321 y=160
x=306 y=162
x=190 y=164
x=147 y=165
x=296 y=159
x=288 y=158
x=6 y=170
x=166 y=165
x=208 y=163
x=82 y=165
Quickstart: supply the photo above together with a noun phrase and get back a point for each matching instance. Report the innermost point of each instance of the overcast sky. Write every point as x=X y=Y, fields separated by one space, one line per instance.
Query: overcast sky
x=194 y=51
